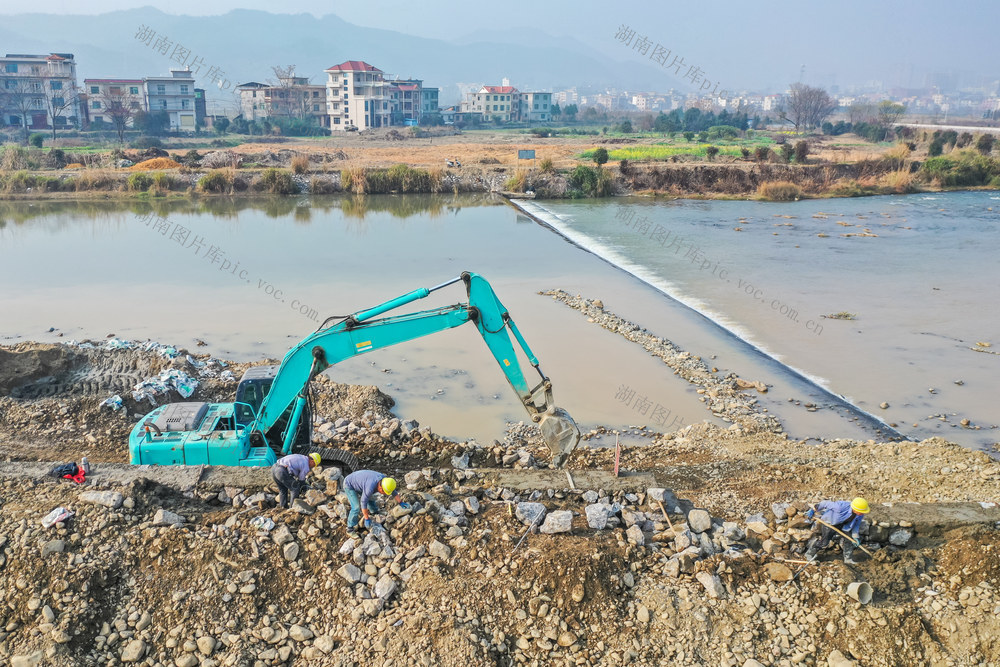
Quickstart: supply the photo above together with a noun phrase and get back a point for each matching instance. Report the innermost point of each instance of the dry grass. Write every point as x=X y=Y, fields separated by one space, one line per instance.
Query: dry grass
x=300 y=164
x=779 y=191
x=899 y=181
x=96 y=179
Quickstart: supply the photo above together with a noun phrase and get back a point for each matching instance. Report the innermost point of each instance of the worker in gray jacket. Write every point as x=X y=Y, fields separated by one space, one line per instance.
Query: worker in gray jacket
x=289 y=474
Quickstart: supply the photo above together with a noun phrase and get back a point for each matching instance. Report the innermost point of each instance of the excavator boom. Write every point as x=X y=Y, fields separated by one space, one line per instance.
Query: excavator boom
x=203 y=433
x=364 y=332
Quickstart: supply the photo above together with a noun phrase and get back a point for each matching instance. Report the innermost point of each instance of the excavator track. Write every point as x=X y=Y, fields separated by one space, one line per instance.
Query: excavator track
x=344 y=460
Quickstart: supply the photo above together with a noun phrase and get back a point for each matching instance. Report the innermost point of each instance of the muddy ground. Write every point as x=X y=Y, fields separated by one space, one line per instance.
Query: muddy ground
x=155 y=573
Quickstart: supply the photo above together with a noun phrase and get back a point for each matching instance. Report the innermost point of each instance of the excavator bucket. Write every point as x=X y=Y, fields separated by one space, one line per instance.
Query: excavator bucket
x=560 y=433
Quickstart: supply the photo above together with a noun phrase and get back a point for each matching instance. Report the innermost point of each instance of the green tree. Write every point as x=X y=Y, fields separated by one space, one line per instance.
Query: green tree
x=689 y=136
x=571 y=110
x=625 y=127
x=221 y=125
x=711 y=152
x=556 y=110
x=600 y=156
x=36 y=139
x=889 y=113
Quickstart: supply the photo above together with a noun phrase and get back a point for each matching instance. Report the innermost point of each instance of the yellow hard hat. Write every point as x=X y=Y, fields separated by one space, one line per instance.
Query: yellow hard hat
x=388 y=485
x=316 y=459
x=860 y=505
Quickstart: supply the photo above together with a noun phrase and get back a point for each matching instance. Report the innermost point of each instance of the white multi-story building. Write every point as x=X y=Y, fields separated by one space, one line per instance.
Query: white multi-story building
x=293 y=97
x=39 y=91
x=174 y=95
x=357 y=97
x=493 y=102
x=100 y=94
x=534 y=107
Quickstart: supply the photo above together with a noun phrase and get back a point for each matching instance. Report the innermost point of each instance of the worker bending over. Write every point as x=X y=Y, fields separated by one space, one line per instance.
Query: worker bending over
x=289 y=474
x=360 y=486
x=844 y=516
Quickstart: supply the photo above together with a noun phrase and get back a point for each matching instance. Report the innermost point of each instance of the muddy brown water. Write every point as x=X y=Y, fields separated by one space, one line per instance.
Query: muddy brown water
x=252 y=277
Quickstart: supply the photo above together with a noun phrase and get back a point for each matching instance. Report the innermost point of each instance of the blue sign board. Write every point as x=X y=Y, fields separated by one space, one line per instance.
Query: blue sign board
x=525 y=155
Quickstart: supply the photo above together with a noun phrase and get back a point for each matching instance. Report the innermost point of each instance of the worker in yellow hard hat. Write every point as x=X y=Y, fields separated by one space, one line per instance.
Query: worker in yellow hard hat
x=289 y=474
x=844 y=516
x=360 y=487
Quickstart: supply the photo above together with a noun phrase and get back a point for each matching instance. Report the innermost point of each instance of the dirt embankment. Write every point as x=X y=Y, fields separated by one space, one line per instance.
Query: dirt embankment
x=151 y=573
x=472 y=162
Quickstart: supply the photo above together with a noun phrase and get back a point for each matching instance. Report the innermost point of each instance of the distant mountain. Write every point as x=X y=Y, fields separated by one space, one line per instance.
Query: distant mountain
x=245 y=44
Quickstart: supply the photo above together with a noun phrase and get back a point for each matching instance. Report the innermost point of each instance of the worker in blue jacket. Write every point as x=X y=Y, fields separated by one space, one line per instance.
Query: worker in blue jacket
x=846 y=517
x=361 y=487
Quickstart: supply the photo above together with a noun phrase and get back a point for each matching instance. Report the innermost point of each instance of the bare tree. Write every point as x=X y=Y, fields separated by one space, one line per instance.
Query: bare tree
x=861 y=112
x=287 y=99
x=24 y=96
x=59 y=97
x=120 y=106
x=806 y=107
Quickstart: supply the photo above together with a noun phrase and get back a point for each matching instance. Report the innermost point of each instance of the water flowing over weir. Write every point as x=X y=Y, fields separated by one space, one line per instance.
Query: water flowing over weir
x=877 y=427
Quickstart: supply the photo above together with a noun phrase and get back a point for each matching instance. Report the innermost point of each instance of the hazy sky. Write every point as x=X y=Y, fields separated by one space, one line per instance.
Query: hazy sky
x=750 y=43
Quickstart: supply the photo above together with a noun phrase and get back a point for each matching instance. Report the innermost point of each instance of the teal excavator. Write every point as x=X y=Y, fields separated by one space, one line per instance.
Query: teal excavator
x=272 y=414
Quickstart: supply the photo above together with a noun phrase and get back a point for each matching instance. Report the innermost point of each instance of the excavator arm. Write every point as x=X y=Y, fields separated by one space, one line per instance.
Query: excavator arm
x=365 y=331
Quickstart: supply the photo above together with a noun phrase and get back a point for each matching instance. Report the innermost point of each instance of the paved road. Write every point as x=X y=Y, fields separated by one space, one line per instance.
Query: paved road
x=957 y=128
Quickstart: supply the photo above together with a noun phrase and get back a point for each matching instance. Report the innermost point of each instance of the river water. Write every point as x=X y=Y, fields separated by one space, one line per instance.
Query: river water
x=919 y=274
x=250 y=277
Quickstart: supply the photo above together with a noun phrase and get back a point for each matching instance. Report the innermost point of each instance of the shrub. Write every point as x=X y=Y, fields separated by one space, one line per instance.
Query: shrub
x=36 y=139
x=546 y=165
x=787 y=151
x=543 y=132
x=801 y=151
x=139 y=181
x=985 y=143
x=146 y=142
x=625 y=127
x=192 y=157
x=964 y=140
x=217 y=180
x=689 y=136
x=762 y=153
x=723 y=132
x=300 y=164
x=279 y=182
x=600 y=156
x=161 y=181
x=319 y=186
x=711 y=152
x=55 y=158
x=745 y=152
x=14 y=158
x=587 y=182
x=518 y=182
x=935 y=148
x=624 y=167
x=779 y=191
x=965 y=170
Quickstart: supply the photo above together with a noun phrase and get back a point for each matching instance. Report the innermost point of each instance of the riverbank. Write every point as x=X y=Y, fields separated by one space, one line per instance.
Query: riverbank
x=842 y=166
x=688 y=558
